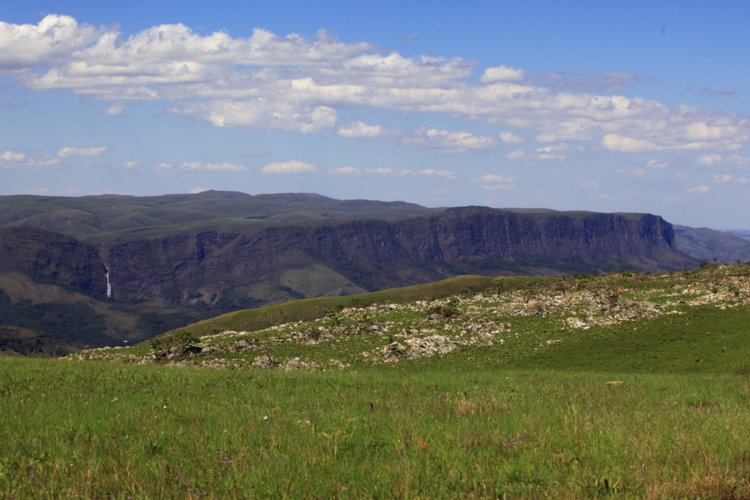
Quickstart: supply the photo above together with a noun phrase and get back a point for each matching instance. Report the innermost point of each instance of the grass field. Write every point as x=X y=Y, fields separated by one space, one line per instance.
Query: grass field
x=100 y=430
x=593 y=391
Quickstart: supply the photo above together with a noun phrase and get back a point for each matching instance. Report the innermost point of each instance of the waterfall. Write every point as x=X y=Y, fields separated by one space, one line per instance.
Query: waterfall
x=109 y=286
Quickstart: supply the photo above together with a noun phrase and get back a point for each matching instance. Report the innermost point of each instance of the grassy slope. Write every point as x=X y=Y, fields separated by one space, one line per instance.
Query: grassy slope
x=652 y=407
x=308 y=309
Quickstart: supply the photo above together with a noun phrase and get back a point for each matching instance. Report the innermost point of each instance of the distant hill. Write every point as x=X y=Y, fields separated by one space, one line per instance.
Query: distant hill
x=88 y=216
x=175 y=259
x=708 y=244
x=742 y=233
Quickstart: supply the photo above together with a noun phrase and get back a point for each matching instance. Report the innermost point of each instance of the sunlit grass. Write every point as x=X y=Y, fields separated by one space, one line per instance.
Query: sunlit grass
x=91 y=429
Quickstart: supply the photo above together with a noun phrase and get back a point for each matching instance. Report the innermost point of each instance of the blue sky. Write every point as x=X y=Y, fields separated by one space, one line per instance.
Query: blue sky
x=605 y=106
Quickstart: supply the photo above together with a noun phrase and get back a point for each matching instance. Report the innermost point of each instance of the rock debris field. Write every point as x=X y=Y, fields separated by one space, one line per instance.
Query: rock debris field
x=506 y=321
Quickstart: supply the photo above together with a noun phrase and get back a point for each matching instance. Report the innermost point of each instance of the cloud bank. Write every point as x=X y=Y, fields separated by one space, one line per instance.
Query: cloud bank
x=298 y=84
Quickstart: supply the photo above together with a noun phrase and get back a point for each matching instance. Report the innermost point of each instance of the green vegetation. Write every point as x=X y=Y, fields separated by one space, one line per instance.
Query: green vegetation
x=96 y=430
x=575 y=387
x=97 y=218
x=307 y=309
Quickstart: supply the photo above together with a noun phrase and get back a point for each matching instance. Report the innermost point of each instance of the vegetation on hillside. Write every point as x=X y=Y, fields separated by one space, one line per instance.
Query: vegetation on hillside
x=576 y=387
x=513 y=322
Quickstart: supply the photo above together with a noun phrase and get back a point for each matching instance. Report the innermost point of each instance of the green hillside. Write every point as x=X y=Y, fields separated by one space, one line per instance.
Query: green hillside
x=108 y=216
x=686 y=321
x=624 y=384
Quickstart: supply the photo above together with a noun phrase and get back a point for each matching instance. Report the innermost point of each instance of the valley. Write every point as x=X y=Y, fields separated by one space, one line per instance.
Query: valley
x=624 y=384
x=134 y=267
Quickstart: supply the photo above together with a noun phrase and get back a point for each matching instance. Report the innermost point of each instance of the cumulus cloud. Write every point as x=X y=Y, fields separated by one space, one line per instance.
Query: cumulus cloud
x=449 y=141
x=429 y=172
x=15 y=160
x=619 y=143
x=656 y=163
x=69 y=151
x=510 y=138
x=295 y=83
x=708 y=160
x=11 y=156
x=261 y=113
x=501 y=73
x=289 y=167
x=114 y=110
x=722 y=178
x=360 y=129
x=54 y=38
x=699 y=189
x=545 y=153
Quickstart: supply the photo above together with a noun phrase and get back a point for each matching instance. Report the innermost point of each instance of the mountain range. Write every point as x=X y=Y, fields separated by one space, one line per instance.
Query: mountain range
x=101 y=270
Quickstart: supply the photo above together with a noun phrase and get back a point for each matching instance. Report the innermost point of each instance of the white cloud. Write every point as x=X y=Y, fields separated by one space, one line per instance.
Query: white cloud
x=349 y=170
x=69 y=151
x=711 y=159
x=656 y=163
x=545 y=153
x=722 y=178
x=11 y=156
x=53 y=38
x=197 y=189
x=14 y=160
x=510 y=138
x=429 y=172
x=296 y=83
x=261 y=113
x=497 y=178
x=449 y=141
x=114 y=110
x=699 y=189
x=708 y=160
x=501 y=73
x=619 y=143
x=289 y=167
x=728 y=178
x=360 y=129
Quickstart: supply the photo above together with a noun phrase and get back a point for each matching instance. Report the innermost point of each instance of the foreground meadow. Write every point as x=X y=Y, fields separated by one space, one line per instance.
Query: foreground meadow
x=637 y=386
x=100 y=430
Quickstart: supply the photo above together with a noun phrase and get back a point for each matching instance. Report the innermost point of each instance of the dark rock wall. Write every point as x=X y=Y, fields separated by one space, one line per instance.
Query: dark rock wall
x=376 y=254
x=49 y=257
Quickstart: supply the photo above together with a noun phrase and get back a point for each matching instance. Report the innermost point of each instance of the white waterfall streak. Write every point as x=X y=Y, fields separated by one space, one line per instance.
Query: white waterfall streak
x=109 y=286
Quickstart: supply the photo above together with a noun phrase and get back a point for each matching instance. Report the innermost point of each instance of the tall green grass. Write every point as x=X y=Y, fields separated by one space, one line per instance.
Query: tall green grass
x=109 y=430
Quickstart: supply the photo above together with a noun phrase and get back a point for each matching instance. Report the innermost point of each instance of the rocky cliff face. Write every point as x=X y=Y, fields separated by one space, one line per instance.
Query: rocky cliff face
x=371 y=254
x=54 y=285
x=49 y=257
